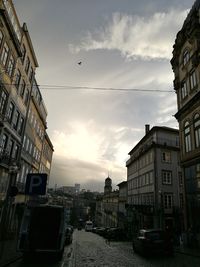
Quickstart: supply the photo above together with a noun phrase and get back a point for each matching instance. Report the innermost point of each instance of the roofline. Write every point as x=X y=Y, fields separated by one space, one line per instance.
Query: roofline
x=153 y=129
x=26 y=32
x=122 y=183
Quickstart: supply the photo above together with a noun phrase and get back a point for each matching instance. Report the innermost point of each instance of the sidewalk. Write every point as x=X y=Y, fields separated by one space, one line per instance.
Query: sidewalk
x=194 y=252
x=8 y=252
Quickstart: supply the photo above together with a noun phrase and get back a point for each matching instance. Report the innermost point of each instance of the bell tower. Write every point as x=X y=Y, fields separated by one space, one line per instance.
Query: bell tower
x=108 y=185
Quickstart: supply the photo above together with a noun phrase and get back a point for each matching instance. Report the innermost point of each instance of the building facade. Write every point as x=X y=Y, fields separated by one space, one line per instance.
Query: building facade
x=23 y=137
x=186 y=68
x=155 y=191
x=122 y=212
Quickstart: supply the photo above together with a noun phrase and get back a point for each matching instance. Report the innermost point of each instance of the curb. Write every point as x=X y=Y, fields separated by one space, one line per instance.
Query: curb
x=187 y=253
x=7 y=263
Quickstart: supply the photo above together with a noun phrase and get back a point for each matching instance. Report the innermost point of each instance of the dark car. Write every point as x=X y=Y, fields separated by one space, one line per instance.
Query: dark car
x=116 y=233
x=153 y=241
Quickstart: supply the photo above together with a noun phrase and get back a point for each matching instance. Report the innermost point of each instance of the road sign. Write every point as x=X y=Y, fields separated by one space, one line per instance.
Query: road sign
x=36 y=184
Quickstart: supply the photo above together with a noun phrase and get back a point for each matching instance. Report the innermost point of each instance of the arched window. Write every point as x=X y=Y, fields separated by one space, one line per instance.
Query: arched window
x=187 y=135
x=197 y=130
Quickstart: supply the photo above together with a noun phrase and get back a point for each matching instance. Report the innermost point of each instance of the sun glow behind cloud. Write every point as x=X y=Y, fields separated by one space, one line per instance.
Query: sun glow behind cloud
x=89 y=144
x=136 y=37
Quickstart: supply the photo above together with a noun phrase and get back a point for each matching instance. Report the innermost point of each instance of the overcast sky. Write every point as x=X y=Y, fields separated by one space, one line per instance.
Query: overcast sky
x=121 y=44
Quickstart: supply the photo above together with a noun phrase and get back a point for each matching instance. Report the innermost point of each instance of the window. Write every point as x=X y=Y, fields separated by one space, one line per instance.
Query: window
x=180 y=177
x=30 y=148
x=27 y=65
x=167 y=177
x=10 y=66
x=193 y=80
x=186 y=57
x=184 y=91
x=197 y=130
x=10 y=147
x=4 y=55
x=31 y=74
x=16 y=119
x=17 y=79
x=15 y=151
x=10 y=111
x=1 y=37
x=187 y=134
x=22 y=90
x=198 y=174
x=3 y=99
x=26 y=97
x=166 y=156
x=27 y=144
x=24 y=141
x=21 y=124
x=23 y=53
x=4 y=143
x=168 y=201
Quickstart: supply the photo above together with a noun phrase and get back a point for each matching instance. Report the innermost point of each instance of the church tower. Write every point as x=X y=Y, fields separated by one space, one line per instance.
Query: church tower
x=108 y=185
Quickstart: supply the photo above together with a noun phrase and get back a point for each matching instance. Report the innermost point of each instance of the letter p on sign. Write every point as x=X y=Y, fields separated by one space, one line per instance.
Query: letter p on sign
x=36 y=184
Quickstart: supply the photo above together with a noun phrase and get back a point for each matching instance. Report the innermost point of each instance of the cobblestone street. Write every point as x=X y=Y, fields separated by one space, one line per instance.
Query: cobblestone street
x=91 y=250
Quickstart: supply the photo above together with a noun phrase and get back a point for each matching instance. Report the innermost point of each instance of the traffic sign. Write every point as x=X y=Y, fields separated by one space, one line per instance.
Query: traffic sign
x=36 y=184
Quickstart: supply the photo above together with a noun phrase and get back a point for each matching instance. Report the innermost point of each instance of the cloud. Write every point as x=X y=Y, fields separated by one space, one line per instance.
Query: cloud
x=136 y=37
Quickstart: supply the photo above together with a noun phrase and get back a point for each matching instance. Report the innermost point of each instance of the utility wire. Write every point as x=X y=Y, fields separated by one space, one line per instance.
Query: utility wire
x=72 y=87
x=69 y=87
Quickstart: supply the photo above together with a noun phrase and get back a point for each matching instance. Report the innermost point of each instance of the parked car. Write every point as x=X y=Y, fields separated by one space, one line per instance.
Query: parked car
x=116 y=233
x=153 y=241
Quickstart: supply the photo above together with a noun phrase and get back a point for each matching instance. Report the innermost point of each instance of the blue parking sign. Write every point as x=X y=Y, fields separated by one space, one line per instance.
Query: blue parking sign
x=36 y=184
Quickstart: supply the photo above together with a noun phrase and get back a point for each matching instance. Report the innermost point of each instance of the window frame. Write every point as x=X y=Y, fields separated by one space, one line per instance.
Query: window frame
x=184 y=89
x=187 y=137
x=5 y=53
x=3 y=101
x=197 y=130
x=168 y=201
x=186 y=56
x=193 y=79
x=166 y=156
x=10 y=66
x=166 y=177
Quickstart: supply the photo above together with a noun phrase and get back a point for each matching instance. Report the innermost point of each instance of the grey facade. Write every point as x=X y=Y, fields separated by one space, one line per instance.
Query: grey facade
x=155 y=191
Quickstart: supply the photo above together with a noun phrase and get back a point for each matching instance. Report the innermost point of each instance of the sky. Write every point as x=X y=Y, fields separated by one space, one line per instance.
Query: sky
x=121 y=45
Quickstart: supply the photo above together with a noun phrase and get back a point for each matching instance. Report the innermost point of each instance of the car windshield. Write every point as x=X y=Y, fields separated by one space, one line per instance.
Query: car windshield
x=154 y=235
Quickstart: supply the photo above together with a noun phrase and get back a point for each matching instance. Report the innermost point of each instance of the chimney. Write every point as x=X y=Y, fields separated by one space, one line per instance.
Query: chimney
x=147 y=128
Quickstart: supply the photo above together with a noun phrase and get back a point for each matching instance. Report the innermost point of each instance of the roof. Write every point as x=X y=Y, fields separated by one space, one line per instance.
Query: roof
x=154 y=129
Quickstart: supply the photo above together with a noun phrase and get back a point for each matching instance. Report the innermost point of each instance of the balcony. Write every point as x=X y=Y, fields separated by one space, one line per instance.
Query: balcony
x=5 y=158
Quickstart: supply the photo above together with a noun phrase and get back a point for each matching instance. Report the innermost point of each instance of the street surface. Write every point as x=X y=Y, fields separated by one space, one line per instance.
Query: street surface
x=91 y=250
